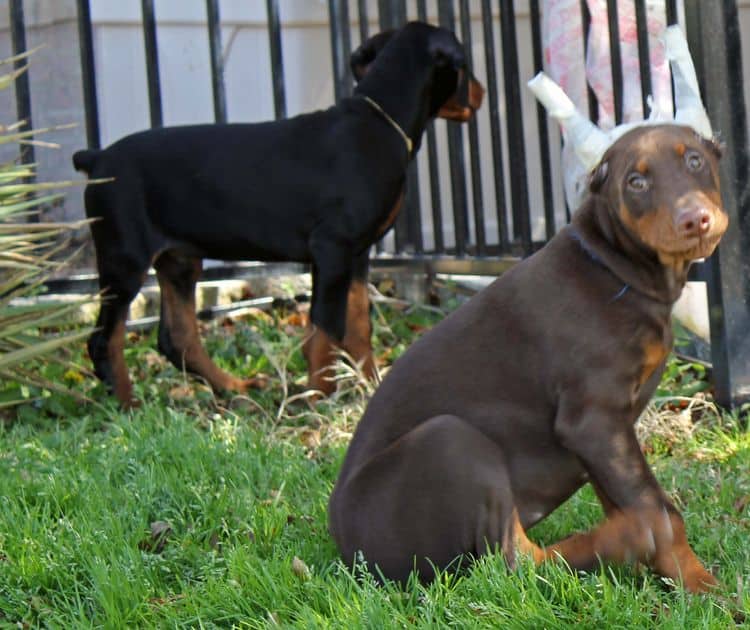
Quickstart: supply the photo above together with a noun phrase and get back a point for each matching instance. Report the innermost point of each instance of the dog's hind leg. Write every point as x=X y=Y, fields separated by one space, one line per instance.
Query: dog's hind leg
x=439 y=492
x=179 y=339
x=106 y=343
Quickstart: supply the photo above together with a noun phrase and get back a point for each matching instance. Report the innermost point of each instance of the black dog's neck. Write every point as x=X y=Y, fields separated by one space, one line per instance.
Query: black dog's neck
x=609 y=242
x=404 y=95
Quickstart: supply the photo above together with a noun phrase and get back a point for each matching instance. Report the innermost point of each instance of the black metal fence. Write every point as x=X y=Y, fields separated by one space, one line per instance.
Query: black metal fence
x=494 y=223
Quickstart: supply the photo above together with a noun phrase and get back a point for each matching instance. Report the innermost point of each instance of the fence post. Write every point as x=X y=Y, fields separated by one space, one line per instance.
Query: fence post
x=217 y=61
x=459 y=192
x=341 y=47
x=713 y=33
x=88 y=74
x=23 y=92
x=277 y=58
x=152 y=62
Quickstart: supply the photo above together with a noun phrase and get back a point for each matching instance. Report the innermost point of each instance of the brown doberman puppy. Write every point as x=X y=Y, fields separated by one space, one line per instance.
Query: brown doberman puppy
x=531 y=389
x=319 y=188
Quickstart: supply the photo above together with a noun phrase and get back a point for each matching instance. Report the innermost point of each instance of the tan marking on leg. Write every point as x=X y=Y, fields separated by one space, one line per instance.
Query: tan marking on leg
x=357 y=339
x=123 y=388
x=179 y=318
x=678 y=561
x=625 y=537
x=523 y=544
x=319 y=350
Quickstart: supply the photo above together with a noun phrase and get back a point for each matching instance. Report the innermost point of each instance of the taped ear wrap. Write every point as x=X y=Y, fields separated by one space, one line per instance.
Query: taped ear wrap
x=598 y=177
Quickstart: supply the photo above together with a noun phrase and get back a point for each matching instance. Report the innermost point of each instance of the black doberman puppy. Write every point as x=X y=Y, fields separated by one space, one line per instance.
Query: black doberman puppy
x=503 y=410
x=319 y=188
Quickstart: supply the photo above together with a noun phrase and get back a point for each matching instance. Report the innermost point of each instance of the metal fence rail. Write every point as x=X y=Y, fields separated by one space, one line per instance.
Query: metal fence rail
x=492 y=223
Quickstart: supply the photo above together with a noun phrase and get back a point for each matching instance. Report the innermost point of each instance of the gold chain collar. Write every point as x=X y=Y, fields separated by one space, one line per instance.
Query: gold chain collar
x=391 y=122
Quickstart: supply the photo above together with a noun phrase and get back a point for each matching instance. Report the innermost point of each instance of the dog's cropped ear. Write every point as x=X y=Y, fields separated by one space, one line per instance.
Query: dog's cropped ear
x=446 y=50
x=363 y=57
x=598 y=176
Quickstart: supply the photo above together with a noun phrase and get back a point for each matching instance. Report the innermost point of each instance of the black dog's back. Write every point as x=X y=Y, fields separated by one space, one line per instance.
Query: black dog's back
x=241 y=187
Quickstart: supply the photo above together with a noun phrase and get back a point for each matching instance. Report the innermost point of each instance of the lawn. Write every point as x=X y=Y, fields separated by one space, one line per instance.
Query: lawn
x=202 y=511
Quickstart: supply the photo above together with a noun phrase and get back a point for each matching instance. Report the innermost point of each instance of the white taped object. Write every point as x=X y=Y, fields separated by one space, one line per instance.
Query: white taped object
x=589 y=142
x=689 y=110
x=691 y=310
x=584 y=144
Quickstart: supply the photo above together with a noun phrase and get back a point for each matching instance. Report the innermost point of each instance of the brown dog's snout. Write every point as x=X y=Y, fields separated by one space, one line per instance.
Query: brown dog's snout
x=694 y=222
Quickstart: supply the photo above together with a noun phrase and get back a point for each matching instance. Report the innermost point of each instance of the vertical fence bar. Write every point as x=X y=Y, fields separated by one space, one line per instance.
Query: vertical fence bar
x=408 y=226
x=341 y=47
x=644 y=55
x=456 y=152
x=22 y=89
x=413 y=201
x=432 y=161
x=364 y=25
x=476 y=168
x=615 y=58
x=671 y=12
x=495 y=133
x=586 y=23
x=217 y=61
x=152 y=62
x=713 y=32
x=385 y=14
x=277 y=59
x=385 y=22
x=389 y=19
x=518 y=183
x=542 y=130
x=88 y=75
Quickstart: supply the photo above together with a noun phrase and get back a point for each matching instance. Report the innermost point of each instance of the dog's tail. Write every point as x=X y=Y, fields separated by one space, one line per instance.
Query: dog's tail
x=86 y=160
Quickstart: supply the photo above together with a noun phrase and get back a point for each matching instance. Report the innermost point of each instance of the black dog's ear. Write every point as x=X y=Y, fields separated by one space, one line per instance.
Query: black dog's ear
x=446 y=50
x=362 y=58
x=598 y=177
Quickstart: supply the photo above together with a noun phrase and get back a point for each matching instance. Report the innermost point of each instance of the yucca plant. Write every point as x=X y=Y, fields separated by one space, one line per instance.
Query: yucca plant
x=31 y=331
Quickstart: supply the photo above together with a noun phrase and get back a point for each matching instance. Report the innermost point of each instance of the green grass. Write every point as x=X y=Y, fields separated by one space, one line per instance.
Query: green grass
x=241 y=488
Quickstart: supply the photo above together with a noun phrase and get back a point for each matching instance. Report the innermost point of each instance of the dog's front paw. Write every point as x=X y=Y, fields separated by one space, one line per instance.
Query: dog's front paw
x=634 y=536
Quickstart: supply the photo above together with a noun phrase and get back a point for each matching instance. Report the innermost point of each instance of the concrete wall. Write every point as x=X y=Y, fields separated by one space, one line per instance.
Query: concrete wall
x=186 y=88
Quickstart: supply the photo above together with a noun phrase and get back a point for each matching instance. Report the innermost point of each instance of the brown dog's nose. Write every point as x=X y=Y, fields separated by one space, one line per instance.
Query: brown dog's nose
x=694 y=222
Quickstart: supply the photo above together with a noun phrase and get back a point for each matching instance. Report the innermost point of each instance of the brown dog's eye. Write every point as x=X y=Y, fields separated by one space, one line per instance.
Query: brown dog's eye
x=694 y=160
x=638 y=183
